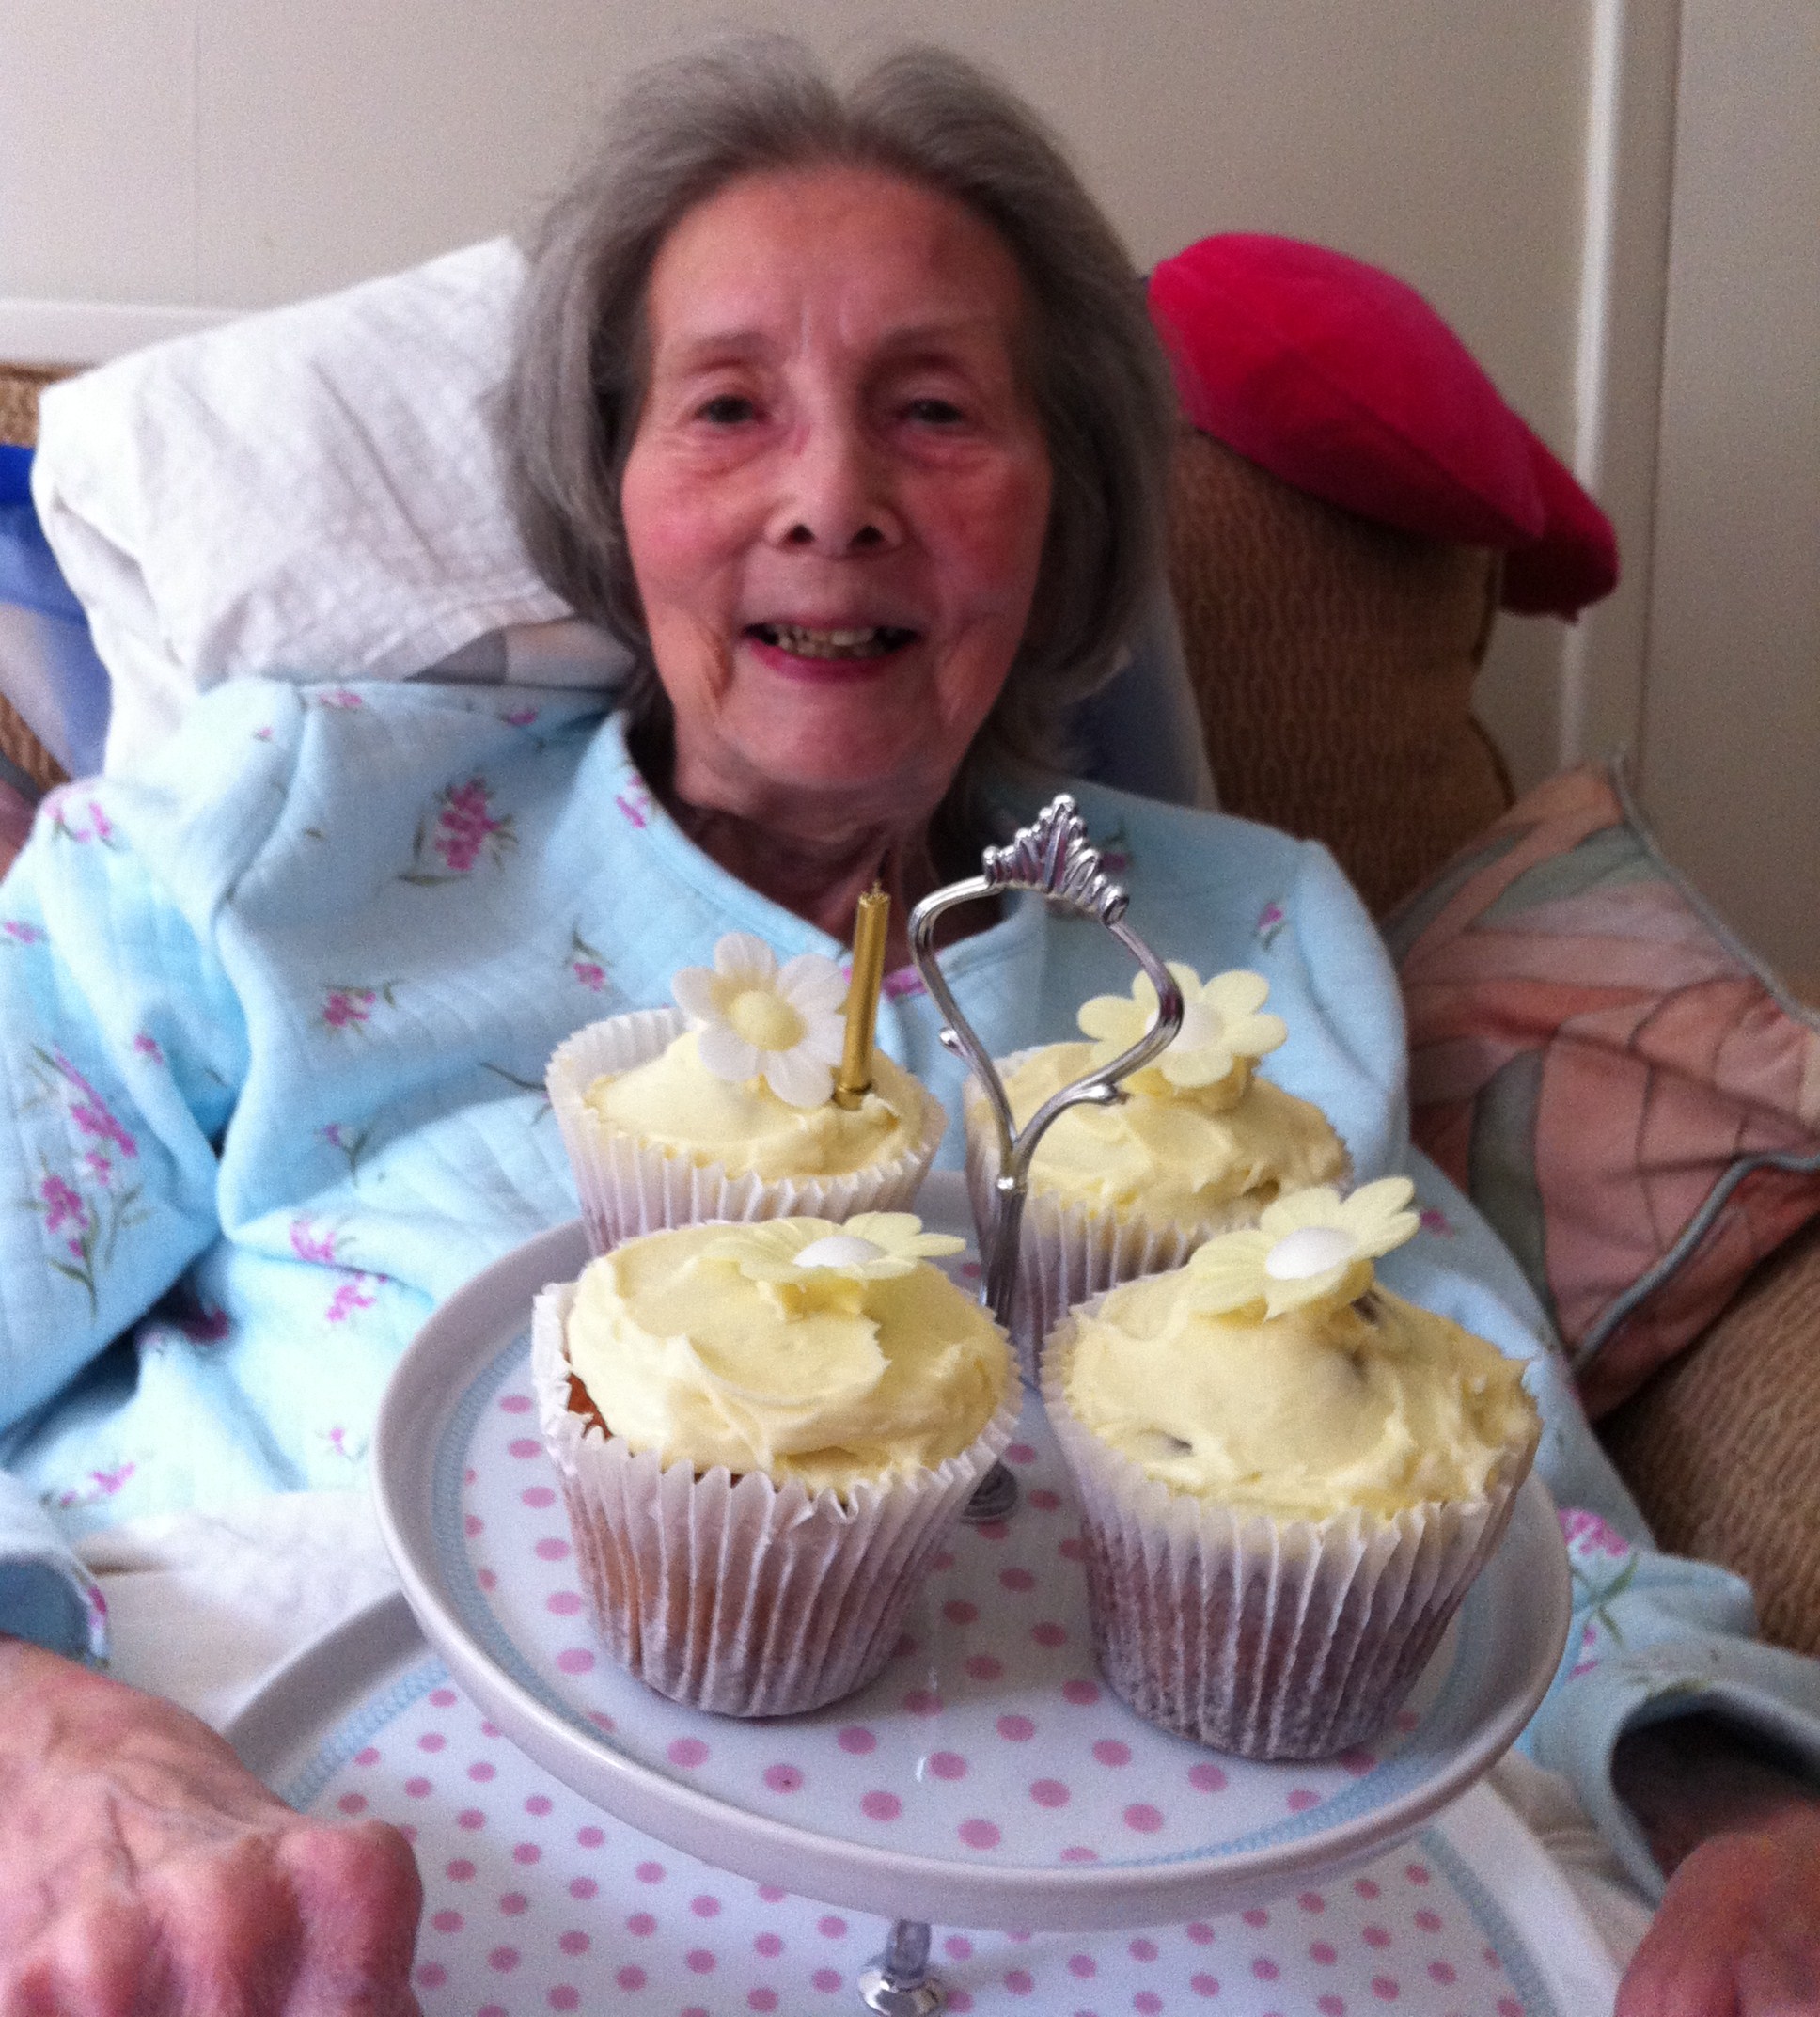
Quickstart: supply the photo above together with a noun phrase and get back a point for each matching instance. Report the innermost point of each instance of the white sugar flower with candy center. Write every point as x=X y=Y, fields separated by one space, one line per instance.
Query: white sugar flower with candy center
x=871 y=1245
x=755 y=1019
x=1311 y=1246
x=1221 y=1029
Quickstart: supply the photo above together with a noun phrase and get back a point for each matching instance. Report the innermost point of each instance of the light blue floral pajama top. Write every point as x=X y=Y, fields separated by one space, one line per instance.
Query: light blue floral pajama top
x=276 y=1012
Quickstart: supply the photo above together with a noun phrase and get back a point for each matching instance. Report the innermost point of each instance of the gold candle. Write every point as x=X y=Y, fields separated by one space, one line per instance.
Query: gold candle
x=854 y=1079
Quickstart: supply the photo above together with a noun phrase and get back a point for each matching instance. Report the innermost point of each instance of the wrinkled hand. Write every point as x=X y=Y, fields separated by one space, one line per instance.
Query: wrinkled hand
x=1737 y=1933
x=143 y=1870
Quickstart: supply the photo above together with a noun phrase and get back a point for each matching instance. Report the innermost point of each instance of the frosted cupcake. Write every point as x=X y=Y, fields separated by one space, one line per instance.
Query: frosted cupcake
x=763 y=1434
x=1200 y=1144
x=1289 y=1477
x=723 y=1107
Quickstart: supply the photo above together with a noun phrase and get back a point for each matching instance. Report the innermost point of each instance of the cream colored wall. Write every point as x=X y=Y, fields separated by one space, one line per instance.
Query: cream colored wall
x=208 y=153
x=1731 y=742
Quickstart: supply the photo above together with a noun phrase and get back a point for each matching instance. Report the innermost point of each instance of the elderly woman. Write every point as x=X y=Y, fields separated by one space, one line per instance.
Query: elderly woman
x=844 y=411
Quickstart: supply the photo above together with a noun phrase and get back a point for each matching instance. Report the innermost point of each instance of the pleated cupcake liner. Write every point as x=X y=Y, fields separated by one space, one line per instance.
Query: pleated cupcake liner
x=744 y=1597
x=628 y=1187
x=1290 y=1639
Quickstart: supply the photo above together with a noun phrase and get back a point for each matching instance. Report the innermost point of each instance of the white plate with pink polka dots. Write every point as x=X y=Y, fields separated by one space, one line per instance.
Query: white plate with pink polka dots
x=535 y=1901
x=988 y=1777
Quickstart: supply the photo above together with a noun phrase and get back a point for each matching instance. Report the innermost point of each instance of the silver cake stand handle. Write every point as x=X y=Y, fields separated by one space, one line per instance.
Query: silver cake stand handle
x=1052 y=857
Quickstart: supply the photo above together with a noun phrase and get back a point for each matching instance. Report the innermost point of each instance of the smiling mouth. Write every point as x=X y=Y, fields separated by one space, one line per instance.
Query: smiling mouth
x=873 y=643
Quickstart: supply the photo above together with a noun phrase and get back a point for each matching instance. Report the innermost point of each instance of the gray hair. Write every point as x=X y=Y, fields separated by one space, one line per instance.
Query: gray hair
x=680 y=131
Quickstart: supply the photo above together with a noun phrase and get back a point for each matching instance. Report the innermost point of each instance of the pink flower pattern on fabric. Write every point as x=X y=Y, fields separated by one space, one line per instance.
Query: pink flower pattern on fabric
x=464 y=825
x=61 y=1204
x=85 y=1207
x=588 y=965
x=1589 y=1533
x=1592 y=1544
x=20 y=931
x=1271 y=920
x=346 y=1005
x=102 y=1484
x=308 y=1244
x=353 y=1295
x=349 y=1143
x=81 y=820
x=92 y=1113
x=349 y=1005
x=635 y=804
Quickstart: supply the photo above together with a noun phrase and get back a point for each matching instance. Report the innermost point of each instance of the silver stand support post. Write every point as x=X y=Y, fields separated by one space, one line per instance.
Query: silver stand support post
x=897 y=1983
x=1052 y=857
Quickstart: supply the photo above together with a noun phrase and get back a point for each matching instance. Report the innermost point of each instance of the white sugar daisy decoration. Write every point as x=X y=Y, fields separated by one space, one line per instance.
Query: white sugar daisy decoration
x=755 y=1019
x=871 y=1245
x=1221 y=1038
x=1311 y=1246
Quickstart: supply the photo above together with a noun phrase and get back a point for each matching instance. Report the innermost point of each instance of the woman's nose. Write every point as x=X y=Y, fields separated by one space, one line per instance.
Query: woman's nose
x=836 y=498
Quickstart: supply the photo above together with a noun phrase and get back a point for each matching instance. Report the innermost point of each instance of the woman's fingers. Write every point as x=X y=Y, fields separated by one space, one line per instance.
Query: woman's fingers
x=105 y=1965
x=1737 y=1933
x=299 y=1921
x=360 y=1894
x=233 y=1928
x=143 y=1872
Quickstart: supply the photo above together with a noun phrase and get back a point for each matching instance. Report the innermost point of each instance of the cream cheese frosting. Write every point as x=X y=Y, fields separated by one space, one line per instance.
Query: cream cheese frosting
x=798 y=1347
x=675 y=1103
x=1352 y=1398
x=1171 y=1152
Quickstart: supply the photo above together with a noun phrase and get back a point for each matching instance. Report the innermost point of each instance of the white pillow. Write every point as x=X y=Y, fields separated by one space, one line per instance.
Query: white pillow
x=312 y=493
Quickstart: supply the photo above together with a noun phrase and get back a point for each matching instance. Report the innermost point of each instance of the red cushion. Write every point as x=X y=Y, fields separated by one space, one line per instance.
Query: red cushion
x=1340 y=379
x=1575 y=559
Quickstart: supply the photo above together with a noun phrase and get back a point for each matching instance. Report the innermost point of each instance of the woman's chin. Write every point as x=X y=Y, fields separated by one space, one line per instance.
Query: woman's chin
x=869 y=749
x=862 y=775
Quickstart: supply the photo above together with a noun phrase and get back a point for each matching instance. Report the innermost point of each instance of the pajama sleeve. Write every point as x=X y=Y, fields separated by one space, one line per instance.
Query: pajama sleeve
x=1652 y=1635
x=46 y=1595
x=124 y=1048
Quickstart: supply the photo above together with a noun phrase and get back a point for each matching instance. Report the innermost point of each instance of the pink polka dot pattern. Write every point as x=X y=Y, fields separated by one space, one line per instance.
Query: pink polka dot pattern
x=534 y=1904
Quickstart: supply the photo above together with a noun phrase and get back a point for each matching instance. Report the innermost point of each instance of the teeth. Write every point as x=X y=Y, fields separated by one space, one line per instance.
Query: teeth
x=870 y=642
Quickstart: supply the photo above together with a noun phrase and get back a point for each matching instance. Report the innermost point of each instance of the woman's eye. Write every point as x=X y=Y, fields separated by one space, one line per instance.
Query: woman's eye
x=726 y=409
x=934 y=412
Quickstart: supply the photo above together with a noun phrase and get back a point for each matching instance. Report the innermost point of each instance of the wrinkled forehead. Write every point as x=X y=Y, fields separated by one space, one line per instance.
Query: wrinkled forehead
x=855 y=258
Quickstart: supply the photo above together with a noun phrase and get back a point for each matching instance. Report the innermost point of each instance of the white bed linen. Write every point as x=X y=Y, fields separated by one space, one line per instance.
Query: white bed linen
x=313 y=492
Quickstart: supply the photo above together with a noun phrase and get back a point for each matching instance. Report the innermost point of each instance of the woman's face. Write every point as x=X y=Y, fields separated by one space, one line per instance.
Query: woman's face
x=838 y=492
